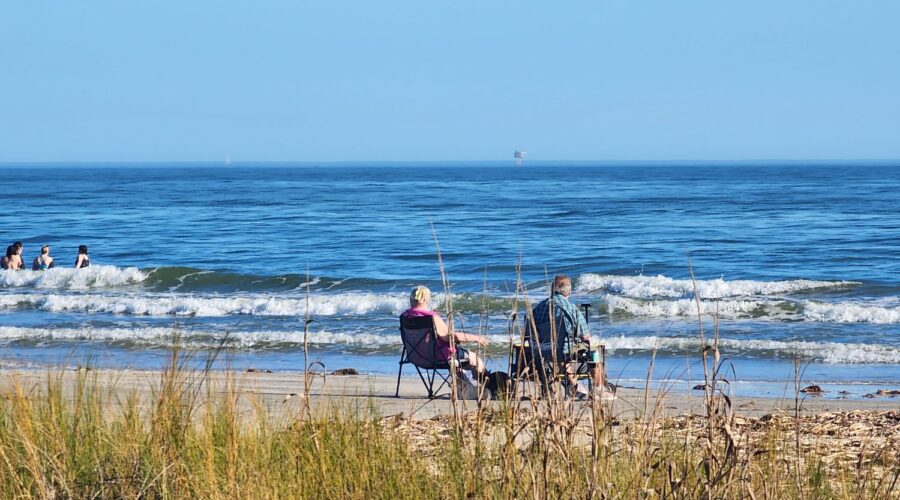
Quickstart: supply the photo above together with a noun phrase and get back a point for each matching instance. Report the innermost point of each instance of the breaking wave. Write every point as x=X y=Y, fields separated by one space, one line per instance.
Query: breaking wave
x=846 y=312
x=663 y=286
x=766 y=309
x=828 y=352
x=174 y=279
x=73 y=279
x=360 y=304
x=162 y=337
x=730 y=309
x=187 y=279
x=172 y=304
x=161 y=292
x=177 y=305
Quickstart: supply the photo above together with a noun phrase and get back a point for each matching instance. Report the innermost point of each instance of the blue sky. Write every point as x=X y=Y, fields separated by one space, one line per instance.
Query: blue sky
x=448 y=80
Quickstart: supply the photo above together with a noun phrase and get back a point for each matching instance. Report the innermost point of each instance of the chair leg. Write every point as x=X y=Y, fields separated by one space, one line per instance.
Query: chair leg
x=428 y=380
x=444 y=380
x=431 y=374
x=399 y=373
x=424 y=380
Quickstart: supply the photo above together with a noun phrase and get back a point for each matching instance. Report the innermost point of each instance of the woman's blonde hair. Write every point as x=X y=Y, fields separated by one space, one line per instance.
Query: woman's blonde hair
x=420 y=295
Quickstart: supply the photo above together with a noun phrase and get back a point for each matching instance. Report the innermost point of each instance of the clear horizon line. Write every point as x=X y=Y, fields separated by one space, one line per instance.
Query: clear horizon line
x=382 y=162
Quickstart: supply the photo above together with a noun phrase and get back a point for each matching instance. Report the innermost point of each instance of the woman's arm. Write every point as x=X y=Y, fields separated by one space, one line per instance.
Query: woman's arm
x=443 y=331
x=468 y=337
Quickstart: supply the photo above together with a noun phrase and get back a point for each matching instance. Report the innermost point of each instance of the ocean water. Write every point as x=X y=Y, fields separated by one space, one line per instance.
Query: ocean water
x=796 y=260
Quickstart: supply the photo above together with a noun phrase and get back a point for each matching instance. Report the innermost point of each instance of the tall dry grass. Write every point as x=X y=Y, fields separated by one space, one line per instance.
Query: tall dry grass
x=76 y=436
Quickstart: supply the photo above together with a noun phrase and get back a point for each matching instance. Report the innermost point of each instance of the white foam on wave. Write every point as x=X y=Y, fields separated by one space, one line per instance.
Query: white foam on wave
x=688 y=307
x=360 y=303
x=663 y=286
x=829 y=352
x=770 y=309
x=72 y=279
x=181 y=305
x=764 y=309
x=845 y=312
x=161 y=337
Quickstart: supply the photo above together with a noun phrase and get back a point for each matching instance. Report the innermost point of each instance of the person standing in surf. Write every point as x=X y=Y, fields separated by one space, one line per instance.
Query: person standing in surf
x=83 y=260
x=10 y=251
x=43 y=261
x=13 y=258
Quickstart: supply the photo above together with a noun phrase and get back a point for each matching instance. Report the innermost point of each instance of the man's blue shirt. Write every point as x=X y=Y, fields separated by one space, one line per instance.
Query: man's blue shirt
x=573 y=319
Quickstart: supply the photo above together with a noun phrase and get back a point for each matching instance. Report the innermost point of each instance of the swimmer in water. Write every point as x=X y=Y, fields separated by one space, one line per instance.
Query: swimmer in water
x=43 y=261
x=82 y=260
x=10 y=251
x=13 y=258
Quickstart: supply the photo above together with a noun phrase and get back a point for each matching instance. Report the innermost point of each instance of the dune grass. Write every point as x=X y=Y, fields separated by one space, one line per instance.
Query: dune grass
x=75 y=436
x=84 y=440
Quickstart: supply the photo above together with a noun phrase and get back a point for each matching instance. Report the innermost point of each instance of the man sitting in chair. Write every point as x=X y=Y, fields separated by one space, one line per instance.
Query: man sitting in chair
x=419 y=305
x=555 y=343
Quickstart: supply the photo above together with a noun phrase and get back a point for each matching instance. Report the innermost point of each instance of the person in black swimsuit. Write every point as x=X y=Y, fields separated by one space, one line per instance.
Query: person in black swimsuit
x=82 y=260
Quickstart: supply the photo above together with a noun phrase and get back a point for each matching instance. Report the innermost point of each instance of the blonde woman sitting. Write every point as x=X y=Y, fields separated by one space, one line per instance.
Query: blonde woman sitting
x=420 y=305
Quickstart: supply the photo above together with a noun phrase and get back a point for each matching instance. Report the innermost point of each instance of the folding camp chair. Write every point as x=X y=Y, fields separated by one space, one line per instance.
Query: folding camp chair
x=547 y=348
x=420 y=349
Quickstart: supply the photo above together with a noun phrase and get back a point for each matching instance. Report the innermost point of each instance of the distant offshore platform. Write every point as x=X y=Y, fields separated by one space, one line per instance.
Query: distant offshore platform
x=519 y=157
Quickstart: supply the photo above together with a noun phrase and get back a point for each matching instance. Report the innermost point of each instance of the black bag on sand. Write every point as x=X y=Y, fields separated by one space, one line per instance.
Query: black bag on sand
x=498 y=384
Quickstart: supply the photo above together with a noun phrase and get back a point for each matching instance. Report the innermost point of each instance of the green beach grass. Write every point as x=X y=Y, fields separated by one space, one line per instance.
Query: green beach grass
x=186 y=439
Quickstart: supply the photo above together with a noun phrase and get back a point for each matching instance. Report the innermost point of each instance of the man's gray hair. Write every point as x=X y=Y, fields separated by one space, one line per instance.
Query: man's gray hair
x=562 y=284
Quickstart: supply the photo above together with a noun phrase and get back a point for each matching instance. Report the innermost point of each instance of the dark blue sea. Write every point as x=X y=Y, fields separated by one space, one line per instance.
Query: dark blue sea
x=798 y=261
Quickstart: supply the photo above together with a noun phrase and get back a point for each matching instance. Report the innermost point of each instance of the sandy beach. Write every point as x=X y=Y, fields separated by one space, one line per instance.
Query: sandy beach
x=282 y=390
x=210 y=423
